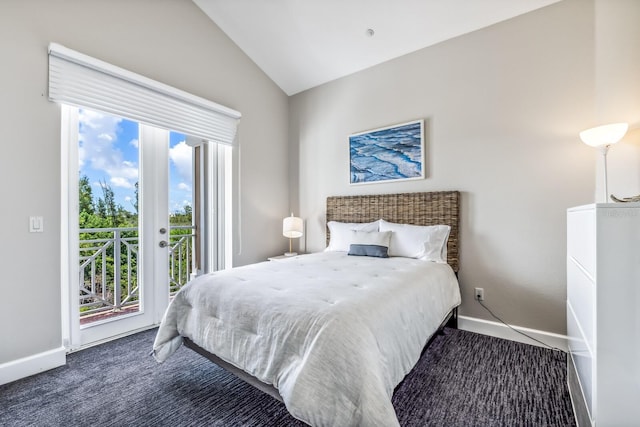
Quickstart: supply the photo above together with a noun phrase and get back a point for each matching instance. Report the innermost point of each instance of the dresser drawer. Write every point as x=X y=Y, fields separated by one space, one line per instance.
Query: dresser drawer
x=581 y=294
x=582 y=358
x=581 y=239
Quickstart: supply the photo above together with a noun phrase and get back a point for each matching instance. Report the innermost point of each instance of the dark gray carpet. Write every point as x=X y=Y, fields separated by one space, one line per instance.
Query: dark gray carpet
x=462 y=379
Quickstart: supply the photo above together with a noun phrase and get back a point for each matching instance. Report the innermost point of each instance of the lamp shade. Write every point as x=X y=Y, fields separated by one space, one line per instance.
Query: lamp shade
x=292 y=227
x=604 y=135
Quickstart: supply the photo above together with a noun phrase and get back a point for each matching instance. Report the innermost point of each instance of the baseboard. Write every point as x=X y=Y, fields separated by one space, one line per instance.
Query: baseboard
x=499 y=330
x=27 y=366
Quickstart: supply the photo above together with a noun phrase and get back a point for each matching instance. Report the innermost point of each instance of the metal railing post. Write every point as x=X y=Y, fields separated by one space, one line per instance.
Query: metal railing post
x=117 y=289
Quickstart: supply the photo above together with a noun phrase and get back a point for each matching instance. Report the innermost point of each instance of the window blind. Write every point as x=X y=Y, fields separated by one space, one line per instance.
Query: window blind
x=82 y=81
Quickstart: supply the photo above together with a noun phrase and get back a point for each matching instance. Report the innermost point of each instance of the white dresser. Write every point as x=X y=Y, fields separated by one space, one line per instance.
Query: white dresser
x=603 y=313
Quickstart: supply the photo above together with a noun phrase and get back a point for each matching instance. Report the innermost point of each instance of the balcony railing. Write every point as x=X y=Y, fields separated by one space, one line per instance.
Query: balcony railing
x=109 y=268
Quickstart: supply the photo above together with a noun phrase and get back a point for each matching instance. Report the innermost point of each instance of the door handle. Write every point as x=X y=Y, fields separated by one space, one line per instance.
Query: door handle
x=162 y=244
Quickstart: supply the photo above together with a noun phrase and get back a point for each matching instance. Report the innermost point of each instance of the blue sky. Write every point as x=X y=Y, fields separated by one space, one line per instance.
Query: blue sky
x=108 y=152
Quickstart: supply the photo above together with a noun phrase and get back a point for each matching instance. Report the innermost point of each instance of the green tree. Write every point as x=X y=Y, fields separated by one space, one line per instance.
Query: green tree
x=109 y=198
x=101 y=208
x=182 y=218
x=104 y=213
x=86 y=195
x=135 y=202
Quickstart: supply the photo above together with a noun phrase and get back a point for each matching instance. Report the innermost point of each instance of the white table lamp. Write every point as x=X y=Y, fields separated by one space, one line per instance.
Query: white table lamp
x=602 y=137
x=292 y=228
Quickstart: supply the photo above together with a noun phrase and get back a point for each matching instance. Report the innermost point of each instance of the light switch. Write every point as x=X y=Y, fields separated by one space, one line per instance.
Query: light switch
x=36 y=224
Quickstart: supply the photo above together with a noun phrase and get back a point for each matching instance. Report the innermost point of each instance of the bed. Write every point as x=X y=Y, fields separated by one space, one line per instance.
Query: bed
x=329 y=334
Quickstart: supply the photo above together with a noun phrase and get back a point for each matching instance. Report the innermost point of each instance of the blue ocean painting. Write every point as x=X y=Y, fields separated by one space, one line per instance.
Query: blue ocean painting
x=387 y=154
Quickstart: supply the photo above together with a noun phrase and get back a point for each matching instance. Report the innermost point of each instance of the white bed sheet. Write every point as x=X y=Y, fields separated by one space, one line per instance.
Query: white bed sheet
x=333 y=333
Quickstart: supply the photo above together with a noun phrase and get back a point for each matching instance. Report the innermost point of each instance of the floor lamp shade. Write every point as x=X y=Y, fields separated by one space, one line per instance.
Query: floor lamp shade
x=292 y=228
x=604 y=135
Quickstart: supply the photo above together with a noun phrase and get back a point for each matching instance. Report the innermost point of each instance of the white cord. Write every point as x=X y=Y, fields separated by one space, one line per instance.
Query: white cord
x=520 y=332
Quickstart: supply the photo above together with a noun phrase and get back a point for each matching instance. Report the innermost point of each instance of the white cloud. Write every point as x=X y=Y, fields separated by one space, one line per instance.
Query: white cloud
x=90 y=118
x=81 y=157
x=180 y=155
x=179 y=206
x=184 y=187
x=97 y=137
x=118 y=181
x=128 y=170
x=135 y=143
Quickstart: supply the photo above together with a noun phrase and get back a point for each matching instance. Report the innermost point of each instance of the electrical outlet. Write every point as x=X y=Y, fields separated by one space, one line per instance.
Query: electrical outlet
x=479 y=295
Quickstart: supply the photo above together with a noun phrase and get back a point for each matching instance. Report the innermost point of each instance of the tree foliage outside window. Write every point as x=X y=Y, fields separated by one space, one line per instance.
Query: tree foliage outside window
x=102 y=212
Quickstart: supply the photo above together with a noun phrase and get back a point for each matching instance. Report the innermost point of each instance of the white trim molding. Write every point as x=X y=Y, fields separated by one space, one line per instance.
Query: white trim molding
x=499 y=330
x=31 y=365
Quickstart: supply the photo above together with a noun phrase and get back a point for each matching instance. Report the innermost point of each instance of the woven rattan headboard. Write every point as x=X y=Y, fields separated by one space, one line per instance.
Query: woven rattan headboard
x=441 y=207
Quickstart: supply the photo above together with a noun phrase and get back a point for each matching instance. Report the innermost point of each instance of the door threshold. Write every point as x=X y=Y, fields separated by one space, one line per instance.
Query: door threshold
x=106 y=340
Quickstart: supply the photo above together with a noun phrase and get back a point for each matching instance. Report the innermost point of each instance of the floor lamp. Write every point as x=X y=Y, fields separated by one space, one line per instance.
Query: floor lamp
x=602 y=137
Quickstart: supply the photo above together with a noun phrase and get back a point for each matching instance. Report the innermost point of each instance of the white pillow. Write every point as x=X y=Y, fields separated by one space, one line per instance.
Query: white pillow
x=416 y=241
x=370 y=243
x=340 y=233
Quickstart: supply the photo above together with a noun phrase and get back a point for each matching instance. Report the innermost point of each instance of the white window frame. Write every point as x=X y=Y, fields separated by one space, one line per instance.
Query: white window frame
x=80 y=81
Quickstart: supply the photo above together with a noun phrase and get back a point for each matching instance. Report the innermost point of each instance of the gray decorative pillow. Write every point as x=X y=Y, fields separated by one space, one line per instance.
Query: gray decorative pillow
x=370 y=243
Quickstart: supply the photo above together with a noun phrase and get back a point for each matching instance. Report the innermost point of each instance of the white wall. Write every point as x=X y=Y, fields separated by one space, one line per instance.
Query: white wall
x=503 y=107
x=617 y=65
x=166 y=40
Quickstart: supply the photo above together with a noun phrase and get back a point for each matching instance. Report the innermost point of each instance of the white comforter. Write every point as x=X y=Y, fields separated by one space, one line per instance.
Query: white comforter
x=333 y=333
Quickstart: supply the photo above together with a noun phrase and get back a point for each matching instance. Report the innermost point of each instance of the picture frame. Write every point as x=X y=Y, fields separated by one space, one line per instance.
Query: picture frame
x=389 y=154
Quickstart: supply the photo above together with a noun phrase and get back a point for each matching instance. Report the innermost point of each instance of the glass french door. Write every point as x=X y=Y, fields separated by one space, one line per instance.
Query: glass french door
x=132 y=234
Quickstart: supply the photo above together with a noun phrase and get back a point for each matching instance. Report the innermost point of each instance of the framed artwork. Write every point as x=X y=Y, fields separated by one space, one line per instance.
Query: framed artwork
x=387 y=154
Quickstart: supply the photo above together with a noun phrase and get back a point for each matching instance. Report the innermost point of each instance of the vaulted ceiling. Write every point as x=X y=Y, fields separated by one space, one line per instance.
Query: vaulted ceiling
x=300 y=44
